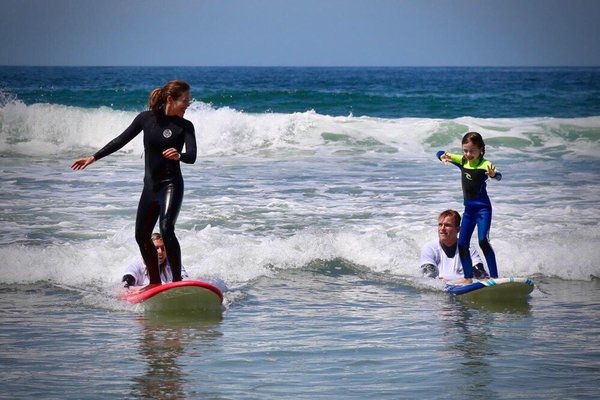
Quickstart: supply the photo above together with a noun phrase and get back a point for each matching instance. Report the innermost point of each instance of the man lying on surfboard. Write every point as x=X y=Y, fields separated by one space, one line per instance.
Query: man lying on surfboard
x=136 y=273
x=440 y=259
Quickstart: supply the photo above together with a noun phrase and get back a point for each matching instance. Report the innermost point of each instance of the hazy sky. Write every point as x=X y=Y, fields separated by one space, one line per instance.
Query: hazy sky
x=300 y=32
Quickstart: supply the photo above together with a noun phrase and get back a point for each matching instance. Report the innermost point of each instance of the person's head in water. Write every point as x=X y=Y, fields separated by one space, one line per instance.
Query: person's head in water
x=160 y=247
x=172 y=99
x=448 y=227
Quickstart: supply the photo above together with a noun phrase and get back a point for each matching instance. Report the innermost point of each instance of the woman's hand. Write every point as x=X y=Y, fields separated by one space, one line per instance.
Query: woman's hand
x=83 y=162
x=171 y=154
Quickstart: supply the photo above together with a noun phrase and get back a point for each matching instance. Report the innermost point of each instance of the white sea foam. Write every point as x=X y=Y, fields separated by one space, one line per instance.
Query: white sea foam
x=279 y=191
x=238 y=259
x=48 y=129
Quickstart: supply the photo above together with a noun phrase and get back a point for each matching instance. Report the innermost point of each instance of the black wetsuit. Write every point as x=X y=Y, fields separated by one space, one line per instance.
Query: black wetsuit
x=163 y=183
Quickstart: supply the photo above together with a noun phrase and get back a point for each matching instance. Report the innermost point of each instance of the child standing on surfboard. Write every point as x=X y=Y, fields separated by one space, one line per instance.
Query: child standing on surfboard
x=478 y=208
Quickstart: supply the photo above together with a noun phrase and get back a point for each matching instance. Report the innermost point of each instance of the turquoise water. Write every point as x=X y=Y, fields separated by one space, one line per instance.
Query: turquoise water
x=312 y=194
x=376 y=92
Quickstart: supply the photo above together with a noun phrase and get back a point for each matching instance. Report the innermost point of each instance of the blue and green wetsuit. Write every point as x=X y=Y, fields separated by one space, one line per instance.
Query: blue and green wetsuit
x=478 y=211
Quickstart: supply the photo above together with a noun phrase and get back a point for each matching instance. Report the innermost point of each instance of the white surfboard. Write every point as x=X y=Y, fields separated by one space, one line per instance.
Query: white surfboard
x=512 y=288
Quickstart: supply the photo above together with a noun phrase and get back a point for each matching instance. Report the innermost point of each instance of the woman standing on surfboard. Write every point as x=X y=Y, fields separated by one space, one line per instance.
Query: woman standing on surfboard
x=478 y=208
x=165 y=134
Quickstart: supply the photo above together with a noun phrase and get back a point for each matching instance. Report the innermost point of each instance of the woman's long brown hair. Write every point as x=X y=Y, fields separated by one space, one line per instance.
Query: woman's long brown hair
x=158 y=97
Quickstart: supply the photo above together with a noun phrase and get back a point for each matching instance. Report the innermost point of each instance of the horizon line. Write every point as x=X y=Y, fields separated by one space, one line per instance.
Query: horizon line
x=287 y=66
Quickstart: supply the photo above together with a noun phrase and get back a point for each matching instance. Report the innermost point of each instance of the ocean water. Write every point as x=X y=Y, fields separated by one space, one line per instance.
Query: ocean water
x=312 y=194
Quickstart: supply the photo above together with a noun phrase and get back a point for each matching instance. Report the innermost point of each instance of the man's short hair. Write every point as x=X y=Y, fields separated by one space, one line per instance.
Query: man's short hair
x=156 y=236
x=451 y=213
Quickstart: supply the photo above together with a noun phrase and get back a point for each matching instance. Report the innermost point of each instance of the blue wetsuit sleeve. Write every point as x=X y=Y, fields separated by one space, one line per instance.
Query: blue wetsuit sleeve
x=439 y=154
x=189 y=157
x=498 y=176
x=117 y=143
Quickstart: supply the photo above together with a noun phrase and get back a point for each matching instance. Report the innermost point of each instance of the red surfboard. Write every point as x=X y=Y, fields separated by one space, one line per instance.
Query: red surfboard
x=182 y=296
